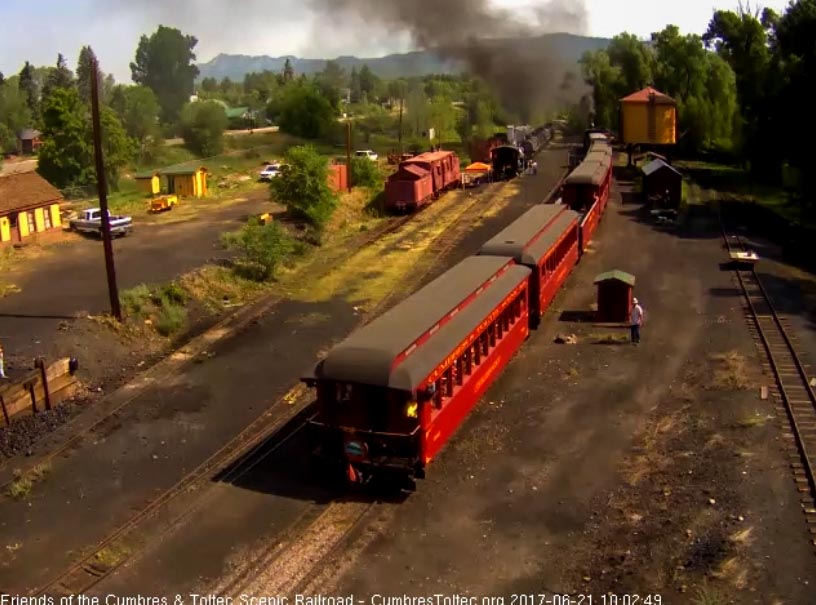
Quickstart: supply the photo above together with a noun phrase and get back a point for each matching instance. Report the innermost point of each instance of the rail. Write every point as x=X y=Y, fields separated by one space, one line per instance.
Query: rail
x=796 y=393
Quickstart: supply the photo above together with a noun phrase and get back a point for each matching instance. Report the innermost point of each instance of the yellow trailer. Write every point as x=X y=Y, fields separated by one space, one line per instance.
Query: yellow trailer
x=163 y=203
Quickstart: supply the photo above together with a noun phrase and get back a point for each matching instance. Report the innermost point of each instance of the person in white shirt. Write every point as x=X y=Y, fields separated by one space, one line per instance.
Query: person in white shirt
x=636 y=321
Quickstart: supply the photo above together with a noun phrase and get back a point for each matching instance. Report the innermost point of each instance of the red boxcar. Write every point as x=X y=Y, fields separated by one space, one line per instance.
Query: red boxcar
x=409 y=188
x=443 y=166
x=545 y=239
x=392 y=394
x=480 y=150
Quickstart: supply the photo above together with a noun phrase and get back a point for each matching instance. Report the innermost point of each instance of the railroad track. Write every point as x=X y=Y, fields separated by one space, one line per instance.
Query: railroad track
x=240 y=456
x=792 y=391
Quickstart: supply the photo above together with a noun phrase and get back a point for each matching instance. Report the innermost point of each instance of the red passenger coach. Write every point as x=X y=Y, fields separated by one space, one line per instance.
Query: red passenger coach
x=586 y=190
x=392 y=394
x=545 y=239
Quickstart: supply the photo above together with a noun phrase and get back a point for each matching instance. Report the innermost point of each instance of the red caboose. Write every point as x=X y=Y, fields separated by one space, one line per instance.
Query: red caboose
x=392 y=394
x=545 y=239
x=409 y=188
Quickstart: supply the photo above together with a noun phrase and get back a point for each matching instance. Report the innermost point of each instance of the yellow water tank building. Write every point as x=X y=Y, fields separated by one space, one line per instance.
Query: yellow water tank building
x=648 y=117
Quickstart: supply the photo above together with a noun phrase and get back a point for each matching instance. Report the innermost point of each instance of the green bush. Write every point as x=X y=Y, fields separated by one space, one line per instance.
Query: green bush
x=303 y=186
x=262 y=248
x=171 y=317
x=136 y=301
x=365 y=173
x=174 y=293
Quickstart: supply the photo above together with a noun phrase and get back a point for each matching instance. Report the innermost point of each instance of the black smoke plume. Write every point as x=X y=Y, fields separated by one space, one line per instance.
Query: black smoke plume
x=503 y=46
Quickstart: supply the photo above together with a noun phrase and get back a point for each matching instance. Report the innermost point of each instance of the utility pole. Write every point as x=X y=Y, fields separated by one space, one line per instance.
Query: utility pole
x=348 y=153
x=102 y=188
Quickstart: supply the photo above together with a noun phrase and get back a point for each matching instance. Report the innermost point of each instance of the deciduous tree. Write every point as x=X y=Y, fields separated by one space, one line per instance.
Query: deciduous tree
x=165 y=63
x=303 y=186
x=202 y=126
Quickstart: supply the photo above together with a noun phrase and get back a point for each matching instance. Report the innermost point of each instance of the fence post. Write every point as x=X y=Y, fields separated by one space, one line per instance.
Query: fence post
x=5 y=411
x=40 y=363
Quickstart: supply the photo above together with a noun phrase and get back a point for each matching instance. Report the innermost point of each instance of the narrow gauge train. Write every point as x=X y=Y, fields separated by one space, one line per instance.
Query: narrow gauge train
x=421 y=179
x=395 y=391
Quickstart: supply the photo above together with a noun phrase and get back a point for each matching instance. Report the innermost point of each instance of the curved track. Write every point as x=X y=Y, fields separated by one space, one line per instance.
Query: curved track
x=792 y=388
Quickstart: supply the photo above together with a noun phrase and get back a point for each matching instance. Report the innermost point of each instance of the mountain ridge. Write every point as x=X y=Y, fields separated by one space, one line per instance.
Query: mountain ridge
x=569 y=48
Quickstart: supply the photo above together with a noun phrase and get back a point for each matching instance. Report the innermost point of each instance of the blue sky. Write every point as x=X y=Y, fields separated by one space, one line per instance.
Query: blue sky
x=37 y=30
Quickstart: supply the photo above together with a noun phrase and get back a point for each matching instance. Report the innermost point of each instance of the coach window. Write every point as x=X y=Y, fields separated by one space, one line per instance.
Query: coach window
x=460 y=370
x=469 y=361
x=437 y=398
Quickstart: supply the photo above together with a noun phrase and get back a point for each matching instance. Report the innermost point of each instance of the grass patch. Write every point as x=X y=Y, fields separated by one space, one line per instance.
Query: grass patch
x=21 y=485
x=730 y=371
x=112 y=555
x=707 y=595
x=219 y=287
x=163 y=306
x=753 y=421
x=602 y=338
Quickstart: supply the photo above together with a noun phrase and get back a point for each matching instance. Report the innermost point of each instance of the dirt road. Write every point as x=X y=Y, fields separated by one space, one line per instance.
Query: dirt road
x=69 y=281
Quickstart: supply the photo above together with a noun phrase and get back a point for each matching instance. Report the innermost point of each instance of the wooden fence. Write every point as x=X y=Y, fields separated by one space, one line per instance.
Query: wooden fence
x=42 y=389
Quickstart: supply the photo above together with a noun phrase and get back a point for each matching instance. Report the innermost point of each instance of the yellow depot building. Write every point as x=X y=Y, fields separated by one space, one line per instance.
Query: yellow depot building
x=648 y=117
x=28 y=205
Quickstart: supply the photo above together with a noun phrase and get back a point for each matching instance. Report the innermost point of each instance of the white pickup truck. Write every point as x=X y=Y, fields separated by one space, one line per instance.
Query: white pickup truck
x=90 y=221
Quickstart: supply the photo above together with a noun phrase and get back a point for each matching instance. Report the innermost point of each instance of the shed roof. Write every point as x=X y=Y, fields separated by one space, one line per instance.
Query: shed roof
x=657 y=165
x=527 y=239
x=181 y=171
x=26 y=190
x=29 y=134
x=645 y=95
x=368 y=355
x=236 y=112
x=617 y=275
x=147 y=174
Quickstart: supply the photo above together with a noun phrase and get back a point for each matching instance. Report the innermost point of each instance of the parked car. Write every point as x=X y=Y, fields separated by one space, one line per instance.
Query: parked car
x=367 y=153
x=269 y=172
x=90 y=221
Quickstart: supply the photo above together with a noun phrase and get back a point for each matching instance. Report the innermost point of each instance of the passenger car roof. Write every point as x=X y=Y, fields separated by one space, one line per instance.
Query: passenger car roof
x=435 y=316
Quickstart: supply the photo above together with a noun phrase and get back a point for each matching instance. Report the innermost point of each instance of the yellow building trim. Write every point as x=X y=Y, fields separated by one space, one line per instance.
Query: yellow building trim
x=56 y=219
x=39 y=220
x=22 y=221
x=5 y=229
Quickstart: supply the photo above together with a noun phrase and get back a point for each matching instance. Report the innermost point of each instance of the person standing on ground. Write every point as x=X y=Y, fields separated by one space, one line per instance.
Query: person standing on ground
x=636 y=321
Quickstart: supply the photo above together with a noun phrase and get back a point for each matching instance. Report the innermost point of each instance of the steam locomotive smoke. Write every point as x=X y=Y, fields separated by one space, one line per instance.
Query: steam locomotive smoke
x=495 y=44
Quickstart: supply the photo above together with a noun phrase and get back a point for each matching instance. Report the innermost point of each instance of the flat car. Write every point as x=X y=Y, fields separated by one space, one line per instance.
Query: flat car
x=391 y=395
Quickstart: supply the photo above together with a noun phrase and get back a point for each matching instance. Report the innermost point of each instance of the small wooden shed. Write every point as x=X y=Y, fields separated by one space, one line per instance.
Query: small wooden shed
x=663 y=182
x=149 y=182
x=615 y=291
x=186 y=182
x=338 y=177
